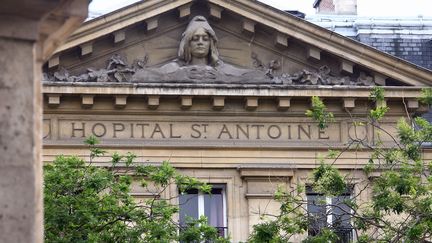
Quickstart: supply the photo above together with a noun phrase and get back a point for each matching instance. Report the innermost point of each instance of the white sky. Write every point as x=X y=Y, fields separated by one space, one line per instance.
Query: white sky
x=383 y=8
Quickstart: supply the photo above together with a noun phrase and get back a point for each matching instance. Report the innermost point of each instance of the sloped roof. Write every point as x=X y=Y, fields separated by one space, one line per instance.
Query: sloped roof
x=278 y=20
x=409 y=38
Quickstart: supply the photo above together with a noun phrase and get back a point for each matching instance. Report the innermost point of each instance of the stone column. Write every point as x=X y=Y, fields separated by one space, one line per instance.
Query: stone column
x=29 y=32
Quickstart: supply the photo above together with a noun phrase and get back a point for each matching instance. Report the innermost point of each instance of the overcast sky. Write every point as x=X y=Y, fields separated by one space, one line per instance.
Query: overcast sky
x=412 y=8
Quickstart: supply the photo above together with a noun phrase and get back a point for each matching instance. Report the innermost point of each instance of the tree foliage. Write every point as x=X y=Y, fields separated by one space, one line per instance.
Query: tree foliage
x=85 y=203
x=319 y=112
x=400 y=207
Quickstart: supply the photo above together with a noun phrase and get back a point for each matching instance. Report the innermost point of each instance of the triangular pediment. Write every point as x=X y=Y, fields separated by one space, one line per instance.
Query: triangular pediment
x=251 y=36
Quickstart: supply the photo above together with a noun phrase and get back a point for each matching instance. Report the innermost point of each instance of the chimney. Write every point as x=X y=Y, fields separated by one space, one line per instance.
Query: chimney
x=336 y=7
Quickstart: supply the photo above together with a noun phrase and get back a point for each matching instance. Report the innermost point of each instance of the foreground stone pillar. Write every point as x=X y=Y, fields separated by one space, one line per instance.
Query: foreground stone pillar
x=29 y=32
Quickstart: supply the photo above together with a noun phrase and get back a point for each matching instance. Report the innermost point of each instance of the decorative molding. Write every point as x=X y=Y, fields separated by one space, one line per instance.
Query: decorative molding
x=119 y=36
x=251 y=103
x=349 y=103
x=144 y=194
x=323 y=77
x=54 y=61
x=152 y=23
x=153 y=102
x=313 y=53
x=87 y=101
x=53 y=100
x=234 y=90
x=118 y=70
x=218 y=102
x=346 y=67
x=120 y=101
x=248 y=26
x=216 y=11
x=380 y=79
x=86 y=48
x=184 y=10
x=284 y=103
x=186 y=102
x=381 y=103
x=413 y=104
x=281 y=40
x=263 y=171
x=259 y=195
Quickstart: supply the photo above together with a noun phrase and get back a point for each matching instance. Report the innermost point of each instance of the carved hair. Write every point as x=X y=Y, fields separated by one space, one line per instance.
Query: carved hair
x=184 y=52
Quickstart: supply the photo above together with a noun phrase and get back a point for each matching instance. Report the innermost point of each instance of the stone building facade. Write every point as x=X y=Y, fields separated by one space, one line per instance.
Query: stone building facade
x=220 y=88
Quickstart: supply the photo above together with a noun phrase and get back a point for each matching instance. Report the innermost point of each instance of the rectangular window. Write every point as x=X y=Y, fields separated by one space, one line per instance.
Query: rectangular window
x=195 y=203
x=329 y=212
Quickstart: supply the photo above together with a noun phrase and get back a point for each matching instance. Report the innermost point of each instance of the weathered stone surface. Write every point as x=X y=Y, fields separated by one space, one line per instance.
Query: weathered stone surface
x=116 y=71
x=20 y=167
x=29 y=33
x=241 y=133
x=192 y=66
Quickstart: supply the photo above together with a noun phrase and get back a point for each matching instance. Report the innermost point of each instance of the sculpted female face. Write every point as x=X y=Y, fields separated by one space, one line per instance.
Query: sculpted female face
x=200 y=43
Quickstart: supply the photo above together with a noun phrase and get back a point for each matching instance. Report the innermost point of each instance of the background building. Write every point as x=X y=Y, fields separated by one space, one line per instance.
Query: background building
x=409 y=38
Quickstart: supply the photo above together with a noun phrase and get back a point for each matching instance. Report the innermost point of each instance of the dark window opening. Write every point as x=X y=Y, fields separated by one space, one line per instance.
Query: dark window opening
x=329 y=212
x=195 y=204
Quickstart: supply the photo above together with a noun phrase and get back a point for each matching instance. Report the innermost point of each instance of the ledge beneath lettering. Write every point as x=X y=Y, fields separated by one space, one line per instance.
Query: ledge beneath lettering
x=265 y=171
x=144 y=194
x=259 y=196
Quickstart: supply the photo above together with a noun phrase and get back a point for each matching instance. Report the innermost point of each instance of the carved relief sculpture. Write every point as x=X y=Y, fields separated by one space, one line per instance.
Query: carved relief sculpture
x=198 y=61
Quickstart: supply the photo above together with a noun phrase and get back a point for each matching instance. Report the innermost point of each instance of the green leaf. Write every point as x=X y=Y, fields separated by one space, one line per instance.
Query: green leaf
x=328 y=180
x=377 y=94
x=91 y=140
x=85 y=203
x=426 y=96
x=378 y=113
x=319 y=113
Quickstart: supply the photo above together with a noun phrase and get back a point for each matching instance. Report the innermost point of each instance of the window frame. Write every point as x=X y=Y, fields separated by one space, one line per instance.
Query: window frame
x=328 y=209
x=201 y=206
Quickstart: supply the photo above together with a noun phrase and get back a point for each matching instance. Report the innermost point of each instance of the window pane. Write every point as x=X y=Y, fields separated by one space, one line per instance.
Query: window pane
x=188 y=206
x=341 y=218
x=336 y=217
x=213 y=208
x=317 y=213
x=194 y=203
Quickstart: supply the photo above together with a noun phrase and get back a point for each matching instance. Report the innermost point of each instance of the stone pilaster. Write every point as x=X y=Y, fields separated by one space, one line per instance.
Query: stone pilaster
x=29 y=33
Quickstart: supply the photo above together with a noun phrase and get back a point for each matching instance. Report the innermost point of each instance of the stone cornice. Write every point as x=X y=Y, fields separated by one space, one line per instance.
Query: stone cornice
x=237 y=90
x=119 y=19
